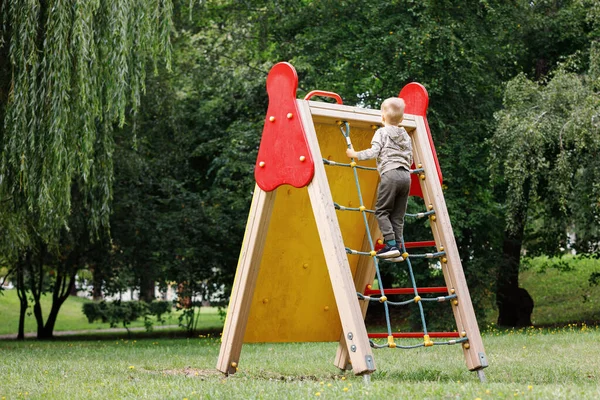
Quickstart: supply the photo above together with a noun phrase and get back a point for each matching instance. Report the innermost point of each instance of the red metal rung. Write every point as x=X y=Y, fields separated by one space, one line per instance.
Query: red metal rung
x=412 y=245
x=434 y=289
x=413 y=335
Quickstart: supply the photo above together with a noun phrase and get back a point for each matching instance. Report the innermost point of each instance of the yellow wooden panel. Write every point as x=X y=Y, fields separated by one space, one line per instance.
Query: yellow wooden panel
x=293 y=300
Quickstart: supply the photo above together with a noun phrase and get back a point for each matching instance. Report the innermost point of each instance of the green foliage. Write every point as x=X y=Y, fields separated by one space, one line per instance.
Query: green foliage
x=125 y=312
x=75 y=67
x=184 y=178
x=71 y=68
x=545 y=149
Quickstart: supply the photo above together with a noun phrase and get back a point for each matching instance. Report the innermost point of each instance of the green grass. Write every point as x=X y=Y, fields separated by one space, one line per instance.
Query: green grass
x=529 y=364
x=562 y=294
x=71 y=317
x=534 y=363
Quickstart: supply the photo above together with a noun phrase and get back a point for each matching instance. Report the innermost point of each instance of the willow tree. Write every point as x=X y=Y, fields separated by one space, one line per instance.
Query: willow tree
x=71 y=71
x=546 y=152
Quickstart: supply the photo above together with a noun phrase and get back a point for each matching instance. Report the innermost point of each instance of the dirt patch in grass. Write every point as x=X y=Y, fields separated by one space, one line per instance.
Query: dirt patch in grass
x=192 y=372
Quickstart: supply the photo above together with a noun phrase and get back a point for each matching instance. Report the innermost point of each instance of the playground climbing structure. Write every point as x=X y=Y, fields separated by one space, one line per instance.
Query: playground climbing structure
x=307 y=262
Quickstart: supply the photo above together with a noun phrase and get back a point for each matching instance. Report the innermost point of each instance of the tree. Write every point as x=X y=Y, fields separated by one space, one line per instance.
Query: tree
x=546 y=149
x=462 y=52
x=365 y=51
x=75 y=67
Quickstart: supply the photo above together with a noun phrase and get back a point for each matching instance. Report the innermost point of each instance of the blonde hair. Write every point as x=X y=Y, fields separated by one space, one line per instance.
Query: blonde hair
x=392 y=110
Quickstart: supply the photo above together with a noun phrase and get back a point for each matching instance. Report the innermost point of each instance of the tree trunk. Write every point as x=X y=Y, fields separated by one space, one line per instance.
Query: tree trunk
x=64 y=284
x=39 y=318
x=515 y=305
x=22 y=293
x=48 y=330
x=36 y=284
x=97 y=283
x=147 y=289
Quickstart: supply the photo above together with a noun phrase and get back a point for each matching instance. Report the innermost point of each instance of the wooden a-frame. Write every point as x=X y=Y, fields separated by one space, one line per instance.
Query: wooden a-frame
x=291 y=154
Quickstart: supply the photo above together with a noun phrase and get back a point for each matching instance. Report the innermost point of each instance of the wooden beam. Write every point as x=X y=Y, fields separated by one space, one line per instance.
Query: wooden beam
x=351 y=317
x=364 y=275
x=327 y=113
x=245 y=280
x=444 y=236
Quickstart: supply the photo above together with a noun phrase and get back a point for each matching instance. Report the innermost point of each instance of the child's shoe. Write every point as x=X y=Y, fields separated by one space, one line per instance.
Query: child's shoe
x=388 y=252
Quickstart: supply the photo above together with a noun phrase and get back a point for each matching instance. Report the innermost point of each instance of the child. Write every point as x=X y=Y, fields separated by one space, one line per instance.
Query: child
x=392 y=148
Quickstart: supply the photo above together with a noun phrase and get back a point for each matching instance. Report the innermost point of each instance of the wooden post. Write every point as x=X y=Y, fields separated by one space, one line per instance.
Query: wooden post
x=444 y=236
x=365 y=274
x=353 y=325
x=245 y=280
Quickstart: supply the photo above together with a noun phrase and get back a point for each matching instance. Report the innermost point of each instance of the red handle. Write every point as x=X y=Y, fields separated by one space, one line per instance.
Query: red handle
x=323 y=93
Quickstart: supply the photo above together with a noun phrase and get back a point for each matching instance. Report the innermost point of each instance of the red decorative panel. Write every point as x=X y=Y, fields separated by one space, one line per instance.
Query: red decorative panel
x=284 y=156
x=417 y=100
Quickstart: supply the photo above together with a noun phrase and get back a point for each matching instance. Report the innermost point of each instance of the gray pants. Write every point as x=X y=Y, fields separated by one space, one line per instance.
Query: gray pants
x=392 y=197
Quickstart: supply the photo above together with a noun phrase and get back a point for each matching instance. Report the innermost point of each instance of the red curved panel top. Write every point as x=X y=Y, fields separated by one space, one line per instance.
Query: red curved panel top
x=283 y=156
x=417 y=100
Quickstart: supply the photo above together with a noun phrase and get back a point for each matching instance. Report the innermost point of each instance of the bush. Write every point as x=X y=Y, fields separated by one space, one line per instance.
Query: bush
x=125 y=312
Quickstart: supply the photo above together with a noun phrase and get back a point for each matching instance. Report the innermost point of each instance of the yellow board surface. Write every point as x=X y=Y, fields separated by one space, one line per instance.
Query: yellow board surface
x=293 y=300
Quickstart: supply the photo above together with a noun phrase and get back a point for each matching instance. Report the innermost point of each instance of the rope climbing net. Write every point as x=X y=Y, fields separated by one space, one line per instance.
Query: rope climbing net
x=380 y=295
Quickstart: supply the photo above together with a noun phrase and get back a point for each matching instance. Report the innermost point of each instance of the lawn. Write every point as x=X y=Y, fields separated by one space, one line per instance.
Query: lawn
x=561 y=290
x=71 y=317
x=528 y=364
x=533 y=363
